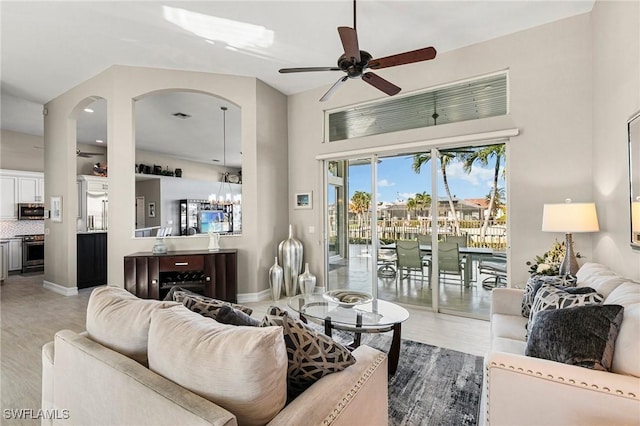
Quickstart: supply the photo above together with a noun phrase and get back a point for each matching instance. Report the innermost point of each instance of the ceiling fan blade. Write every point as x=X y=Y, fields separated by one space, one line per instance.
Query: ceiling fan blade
x=349 y=38
x=334 y=88
x=308 y=69
x=418 y=55
x=381 y=84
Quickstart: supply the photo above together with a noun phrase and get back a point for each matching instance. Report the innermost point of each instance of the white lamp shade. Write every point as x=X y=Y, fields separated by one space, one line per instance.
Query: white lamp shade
x=570 y=217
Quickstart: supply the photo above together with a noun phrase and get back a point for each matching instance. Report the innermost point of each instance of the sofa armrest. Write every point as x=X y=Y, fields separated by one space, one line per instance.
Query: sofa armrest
x=47 y=381
x=355 y=396
x=507 y=301
x=531 y=391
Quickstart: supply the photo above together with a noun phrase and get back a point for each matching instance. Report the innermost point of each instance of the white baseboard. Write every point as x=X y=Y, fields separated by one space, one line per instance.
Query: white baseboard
x=57 y=288
x=254 y=297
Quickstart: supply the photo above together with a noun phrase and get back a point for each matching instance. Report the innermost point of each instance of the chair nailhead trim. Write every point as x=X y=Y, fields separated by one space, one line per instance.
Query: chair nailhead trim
x=559 y=379
x=352 y=392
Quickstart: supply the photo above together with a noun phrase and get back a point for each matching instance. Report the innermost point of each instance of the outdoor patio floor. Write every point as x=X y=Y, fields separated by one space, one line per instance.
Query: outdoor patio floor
x=355 y=274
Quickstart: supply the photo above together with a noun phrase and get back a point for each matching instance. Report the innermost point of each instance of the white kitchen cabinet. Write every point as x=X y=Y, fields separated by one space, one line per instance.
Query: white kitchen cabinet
x=30 y=189
x=15 y=255
x=4 y=254
x=8 y=201
x=19 y=187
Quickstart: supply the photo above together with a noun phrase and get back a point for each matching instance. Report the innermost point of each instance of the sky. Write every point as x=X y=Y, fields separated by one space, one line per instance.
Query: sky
x=398 y=181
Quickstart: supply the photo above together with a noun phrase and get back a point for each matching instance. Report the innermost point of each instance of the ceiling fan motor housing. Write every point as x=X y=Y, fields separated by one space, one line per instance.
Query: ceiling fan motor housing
x=354 y=70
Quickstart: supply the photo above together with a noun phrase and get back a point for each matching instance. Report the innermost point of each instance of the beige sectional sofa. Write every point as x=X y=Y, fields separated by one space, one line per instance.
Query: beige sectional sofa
x=524 y=390
x=144 y=362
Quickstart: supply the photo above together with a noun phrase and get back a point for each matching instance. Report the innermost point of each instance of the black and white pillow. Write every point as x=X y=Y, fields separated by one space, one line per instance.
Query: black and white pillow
x=557 y=297
x=582 y=335
x=535 y=282
x=311 y=355
x=232 y=316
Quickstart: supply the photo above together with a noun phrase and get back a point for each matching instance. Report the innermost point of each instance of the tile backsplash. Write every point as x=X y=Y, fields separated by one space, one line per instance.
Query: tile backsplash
x=11 y=228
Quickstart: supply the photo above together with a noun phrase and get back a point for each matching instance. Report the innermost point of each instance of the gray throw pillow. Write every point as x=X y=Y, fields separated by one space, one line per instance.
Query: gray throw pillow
x=583 y=335
x=311 y=355
x=206 y=306
x=535 y=282
x=557 y=297
x=229 y=315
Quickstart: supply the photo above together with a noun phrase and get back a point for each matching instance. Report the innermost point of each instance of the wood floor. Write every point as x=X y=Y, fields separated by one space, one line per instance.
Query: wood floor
x=31 y=316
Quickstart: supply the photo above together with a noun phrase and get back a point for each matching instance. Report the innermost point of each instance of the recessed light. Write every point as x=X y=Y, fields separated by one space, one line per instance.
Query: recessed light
x=88 y=110
x=99 y=141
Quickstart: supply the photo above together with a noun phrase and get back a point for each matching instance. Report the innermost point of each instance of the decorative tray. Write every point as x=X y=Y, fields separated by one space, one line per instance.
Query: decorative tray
x=347 y=297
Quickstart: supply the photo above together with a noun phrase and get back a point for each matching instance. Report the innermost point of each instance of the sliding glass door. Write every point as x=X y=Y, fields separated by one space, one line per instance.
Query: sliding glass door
x=448 y=204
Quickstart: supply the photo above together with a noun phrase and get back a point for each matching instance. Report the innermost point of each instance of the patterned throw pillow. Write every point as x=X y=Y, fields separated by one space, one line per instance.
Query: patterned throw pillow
x=535 y=282
x=205 y=306
x=582 y=335
x=556 y=297
x=311 y=355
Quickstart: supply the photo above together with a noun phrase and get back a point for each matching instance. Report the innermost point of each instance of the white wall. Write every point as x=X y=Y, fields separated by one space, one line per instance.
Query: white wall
x=616 y=96
x=120 y=86
x=21 y=151
x=550 y=103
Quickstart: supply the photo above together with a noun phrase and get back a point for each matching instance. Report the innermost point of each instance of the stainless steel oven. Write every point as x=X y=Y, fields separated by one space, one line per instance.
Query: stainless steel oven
x=32 y=253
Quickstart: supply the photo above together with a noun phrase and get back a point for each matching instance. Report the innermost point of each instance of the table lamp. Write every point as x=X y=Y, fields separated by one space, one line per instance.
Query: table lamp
x=569 y=217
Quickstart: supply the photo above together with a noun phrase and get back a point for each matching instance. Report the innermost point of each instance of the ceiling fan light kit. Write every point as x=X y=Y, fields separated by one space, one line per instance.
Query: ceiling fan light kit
x=354 y=62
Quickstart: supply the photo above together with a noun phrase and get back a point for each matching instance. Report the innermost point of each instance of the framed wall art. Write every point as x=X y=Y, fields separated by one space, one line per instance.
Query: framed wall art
x=304 y=200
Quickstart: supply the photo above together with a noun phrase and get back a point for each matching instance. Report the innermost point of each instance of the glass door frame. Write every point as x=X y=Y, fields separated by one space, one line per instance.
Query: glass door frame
x=434 y=147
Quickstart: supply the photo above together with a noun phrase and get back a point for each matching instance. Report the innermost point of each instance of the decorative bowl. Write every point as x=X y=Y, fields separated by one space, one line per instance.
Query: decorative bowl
x=344 y=297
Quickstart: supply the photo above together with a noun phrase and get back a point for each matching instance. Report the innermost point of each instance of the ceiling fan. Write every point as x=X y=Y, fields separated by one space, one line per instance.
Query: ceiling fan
x=84 y=154
x=354 y=62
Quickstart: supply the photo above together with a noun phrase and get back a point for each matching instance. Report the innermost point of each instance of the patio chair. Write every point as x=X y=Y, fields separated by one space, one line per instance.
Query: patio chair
x=496 y=267
x=425 y=240
x=408 y=257
x=449 y=261
x=386 y=263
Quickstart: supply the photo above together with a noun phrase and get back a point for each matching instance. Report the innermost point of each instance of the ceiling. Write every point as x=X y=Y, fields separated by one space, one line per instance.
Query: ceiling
x=48 y=47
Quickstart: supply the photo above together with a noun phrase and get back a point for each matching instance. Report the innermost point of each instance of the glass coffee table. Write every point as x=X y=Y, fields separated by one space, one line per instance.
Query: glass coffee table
x=377 y=316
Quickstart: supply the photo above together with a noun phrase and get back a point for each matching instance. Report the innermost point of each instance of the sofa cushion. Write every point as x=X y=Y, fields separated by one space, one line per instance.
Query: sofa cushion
x=242 y=369
x=205 y=305
x=552 y=297
x=311 y=355
x=509 y=326
x=626 y=359
x=582 y=335
x=533 y=285
x=120 y=321
x=598 y=277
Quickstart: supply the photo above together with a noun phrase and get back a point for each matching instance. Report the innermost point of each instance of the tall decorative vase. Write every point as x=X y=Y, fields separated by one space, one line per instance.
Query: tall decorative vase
x=275 y=280
x=290 y=254
x=306 y=281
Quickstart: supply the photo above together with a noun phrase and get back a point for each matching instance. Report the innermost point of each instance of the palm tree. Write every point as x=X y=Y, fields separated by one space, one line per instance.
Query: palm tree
x=482 y=156
x=360 y=204
x=412 y=205
x=498 y=202
x=423 y=201
x=445 y=158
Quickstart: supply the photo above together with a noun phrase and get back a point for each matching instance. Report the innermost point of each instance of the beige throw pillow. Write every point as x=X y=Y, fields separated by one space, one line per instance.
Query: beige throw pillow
x=120 y=321
x=242 y=369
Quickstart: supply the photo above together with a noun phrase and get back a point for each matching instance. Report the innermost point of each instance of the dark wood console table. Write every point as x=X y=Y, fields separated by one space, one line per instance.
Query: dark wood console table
x=150 y=276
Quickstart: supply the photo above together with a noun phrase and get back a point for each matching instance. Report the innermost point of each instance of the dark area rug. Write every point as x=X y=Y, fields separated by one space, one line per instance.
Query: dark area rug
x=432 y=386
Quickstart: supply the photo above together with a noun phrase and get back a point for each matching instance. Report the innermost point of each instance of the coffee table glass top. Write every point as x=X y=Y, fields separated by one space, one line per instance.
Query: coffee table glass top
x=373 y=315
